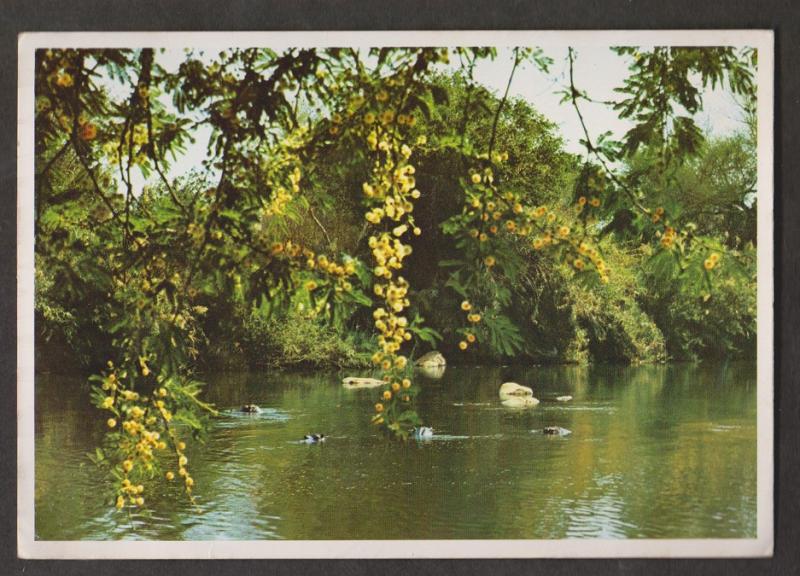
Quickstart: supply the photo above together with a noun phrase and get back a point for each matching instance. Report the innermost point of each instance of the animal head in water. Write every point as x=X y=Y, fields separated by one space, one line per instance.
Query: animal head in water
x=423 y=432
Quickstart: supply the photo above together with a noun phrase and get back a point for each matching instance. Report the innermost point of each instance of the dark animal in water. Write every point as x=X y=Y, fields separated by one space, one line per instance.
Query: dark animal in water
x=314 y=438
x=556 y=431
x=251 y=409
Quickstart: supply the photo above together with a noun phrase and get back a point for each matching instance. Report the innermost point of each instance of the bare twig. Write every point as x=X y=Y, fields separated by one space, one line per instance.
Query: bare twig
x=321 y=227
x=517 y=60
x=590 y=147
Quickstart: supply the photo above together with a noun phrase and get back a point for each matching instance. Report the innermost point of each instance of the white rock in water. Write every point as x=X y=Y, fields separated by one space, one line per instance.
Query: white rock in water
x=563 y=398
x=353 y=382
x=432 y=372
x=520 y=402
x=431 y=359
x=512 y=389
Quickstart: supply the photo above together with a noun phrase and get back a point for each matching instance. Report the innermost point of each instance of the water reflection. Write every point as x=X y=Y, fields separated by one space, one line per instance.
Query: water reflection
x=655 y=451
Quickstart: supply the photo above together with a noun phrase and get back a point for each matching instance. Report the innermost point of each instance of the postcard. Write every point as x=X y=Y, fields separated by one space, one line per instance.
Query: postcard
x=395 y=294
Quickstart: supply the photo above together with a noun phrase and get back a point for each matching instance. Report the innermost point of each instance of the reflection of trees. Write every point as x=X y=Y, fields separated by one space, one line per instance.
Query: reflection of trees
x=656 y=451
x=63 y=488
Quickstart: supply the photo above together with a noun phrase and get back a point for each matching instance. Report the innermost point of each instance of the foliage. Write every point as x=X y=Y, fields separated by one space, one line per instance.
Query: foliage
x=346 y=189
x=295 y=338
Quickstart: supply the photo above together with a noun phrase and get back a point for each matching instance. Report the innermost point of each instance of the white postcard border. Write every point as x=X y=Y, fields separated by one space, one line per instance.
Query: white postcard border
x=762 y=545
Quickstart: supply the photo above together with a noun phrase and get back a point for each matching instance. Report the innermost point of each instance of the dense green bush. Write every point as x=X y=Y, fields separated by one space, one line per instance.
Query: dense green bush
x=297 y=339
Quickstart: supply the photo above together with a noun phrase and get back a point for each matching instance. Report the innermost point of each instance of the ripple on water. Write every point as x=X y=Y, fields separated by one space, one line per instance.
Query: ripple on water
x=235 y=418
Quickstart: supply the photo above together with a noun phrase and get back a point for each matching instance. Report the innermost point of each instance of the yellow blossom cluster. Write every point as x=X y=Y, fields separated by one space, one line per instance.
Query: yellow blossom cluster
x=283 y=195
x=388 y=252
x=114 y=149
x=489 y=212
x=668 y=237
x=711 y=261
x=390 y=193
x=469 y=335
x=144 y=431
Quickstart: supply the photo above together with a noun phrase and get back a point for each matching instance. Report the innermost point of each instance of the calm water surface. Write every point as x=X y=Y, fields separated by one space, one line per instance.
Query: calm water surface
x=655 y=452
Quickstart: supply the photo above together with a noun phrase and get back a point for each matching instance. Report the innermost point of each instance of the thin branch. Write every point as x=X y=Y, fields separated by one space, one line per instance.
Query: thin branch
x=321 y=227
x=517 y=60
x=574 y=95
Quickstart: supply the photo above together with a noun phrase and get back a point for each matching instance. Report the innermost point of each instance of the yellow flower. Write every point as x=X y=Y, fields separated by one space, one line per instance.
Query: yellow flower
x=709 y=264
x=489 y=261
x=140 y=501
x=170 y=475
x=714 y=257
x=181 y=446
x=379 y=407
x=563 y=231
x=64 y=80
x=382 y=96
x=406 y=383
x=483 y=237
x=463 y=345
x=417 y=231
x=127 y=465
x=111 y=422
x=88 y=131
x=595 y=202
x=470 y=338
x=369 y=118
x=578 y=263
x=387 y=395
x=538 y=243
x=582 y=200
x=493 y=229
x=466 y=306
x=511 y=225
x=476 y=178
x=395 y=386
x=387 y=116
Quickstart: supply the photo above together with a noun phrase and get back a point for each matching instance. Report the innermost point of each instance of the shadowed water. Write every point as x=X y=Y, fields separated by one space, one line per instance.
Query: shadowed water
x=654 y=452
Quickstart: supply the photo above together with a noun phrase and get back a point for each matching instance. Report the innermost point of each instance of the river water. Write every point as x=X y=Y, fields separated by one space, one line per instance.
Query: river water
x=655 y=452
